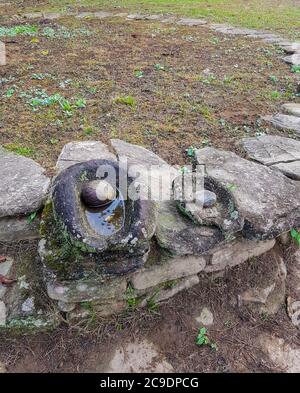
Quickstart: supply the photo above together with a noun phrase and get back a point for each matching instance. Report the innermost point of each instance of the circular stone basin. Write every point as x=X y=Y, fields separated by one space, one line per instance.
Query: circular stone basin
x=107 y=219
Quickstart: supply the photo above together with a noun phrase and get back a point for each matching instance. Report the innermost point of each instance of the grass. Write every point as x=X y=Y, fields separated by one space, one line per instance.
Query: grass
x=268 y=14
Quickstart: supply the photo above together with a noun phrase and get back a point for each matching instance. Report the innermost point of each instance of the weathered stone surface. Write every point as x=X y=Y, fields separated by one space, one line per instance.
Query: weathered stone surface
x=86 y=290
x=5 y=269
x=2 y=368
x=52 y=15
x=236 y=252
x=171 y=269
x=13 y=229
x=284 y=122
x=2 y=314
x=290 y=47
x=292 y=108
x=268 y=293
x=289 y=169
x=180 y=236
x=191 y=22
x=272 y=149
x=138 y=357
x=23 y=185
x=205 y=318
x=281 y=353
x=2 y=54
x=103 y=15
x=165 y=293
x=141 y=161
x=83 y=15
x=293 y=59
x=33 y=15
x=75 y=152
x=264 y=198
x=136 y=17
x=293 y=286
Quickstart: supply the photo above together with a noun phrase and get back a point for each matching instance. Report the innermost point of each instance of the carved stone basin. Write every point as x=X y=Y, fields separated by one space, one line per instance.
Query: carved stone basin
x=116 y=235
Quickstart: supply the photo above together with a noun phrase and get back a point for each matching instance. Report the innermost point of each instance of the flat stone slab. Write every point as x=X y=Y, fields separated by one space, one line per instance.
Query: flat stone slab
x=289 y=169
x=267 y=200
x=2 y=54
x=293 y=59
x=272 y=149
x=52 y=15
x=139 y=357
x=290 y=47
x=103 y=15
x=14 y=229
x=284 y=122
x=75 y=152
x=5 y=269
x=23 y=185
x=191 y=22
x=292 y=109
x=180 y=236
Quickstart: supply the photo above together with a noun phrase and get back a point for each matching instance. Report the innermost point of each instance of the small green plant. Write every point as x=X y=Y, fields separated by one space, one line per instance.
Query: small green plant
x=159 y=67
x=152 y=305
x=13 y=31
x=31 y=217
x=21 y=150
x=203 y=339
x=296 y=236
x=295 y=69
x=231 y=186
x=83 y=176
x=139 y=74
x=191 y=151
x=10 y=92
x=275 y=95
x=130 y=297
x=125 y=100
x=273 y=78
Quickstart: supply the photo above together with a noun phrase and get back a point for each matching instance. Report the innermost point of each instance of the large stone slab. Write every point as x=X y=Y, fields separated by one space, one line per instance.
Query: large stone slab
x=284 y=122
x=191 y=22
x=293 y=59
x=289 y=169
x=290 y=47
x=268 y=200
x=75 y=152
x=153 y=173
x=272 y=149
x=180 y=235
x=23 y=185
x=14 y=229
x=292 y=109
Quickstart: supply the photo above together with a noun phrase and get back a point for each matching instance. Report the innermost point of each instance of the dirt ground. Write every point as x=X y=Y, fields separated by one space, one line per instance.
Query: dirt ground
x=167 y=88
x=163 y=86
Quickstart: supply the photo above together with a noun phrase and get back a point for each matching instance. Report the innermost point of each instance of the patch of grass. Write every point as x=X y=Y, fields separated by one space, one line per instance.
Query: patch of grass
x=296 y=235
x=126 y=100
x=27 y=30
x=21 y=150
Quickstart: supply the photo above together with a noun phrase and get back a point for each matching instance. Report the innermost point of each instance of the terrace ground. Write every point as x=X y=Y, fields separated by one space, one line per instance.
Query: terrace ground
x=163 y=86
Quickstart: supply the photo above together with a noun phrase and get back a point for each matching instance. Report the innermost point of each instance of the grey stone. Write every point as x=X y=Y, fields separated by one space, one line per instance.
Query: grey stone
x=103 y=15
x=2 y=314
x=272 y=149
x=236 y=252
x=268 y=293
x=292 y=109
x=28 y=305
x=136 y=17
x=191 y=22
x=147 y=165
x=75 y=152
x=5 y=269
x=280 y=352
x=205 y=318
x=284 y=122
x=33 y=15
x=2 y=54
x=264 y=198
x=290 y=47
x=172 y=269
x=23 y=185
x=293 y=286
x=154 y=17
x=83 y=15
x=289 y=169
x=2 y=368
x=293 y=59
x=137 y=357
x=52 y=15
x=86 y=290
x=184 y=284
x=14 y=229
x=66 y=307
x=180 y=236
